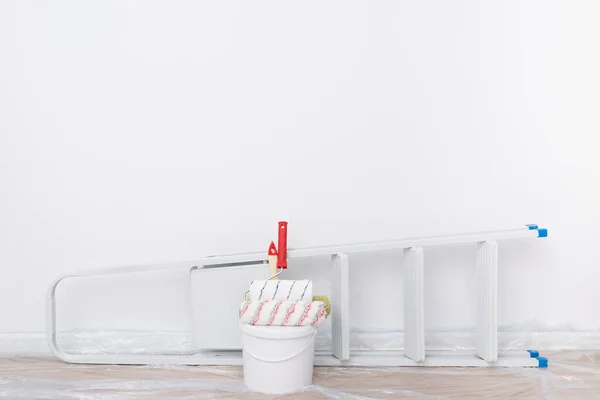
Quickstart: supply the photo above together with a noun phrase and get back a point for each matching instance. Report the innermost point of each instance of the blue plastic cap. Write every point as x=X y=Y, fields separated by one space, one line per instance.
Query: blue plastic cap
x=542 y=362
x=531 y=226
x=534 y=353
x=542 y=232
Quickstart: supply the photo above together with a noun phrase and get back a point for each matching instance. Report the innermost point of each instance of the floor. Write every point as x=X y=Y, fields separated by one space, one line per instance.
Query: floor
x=571 y=375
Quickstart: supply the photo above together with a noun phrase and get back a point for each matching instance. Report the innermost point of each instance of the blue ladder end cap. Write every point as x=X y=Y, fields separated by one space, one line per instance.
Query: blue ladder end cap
x=533 y=353
x=542 y=232
x=531 y=226
x=542 y=362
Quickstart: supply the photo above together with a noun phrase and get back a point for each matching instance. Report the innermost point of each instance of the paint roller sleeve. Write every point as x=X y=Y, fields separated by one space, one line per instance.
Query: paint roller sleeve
x=281 y=290
x=283 y=313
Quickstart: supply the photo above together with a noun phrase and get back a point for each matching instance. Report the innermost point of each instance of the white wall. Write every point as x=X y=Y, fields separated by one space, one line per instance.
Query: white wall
x=139 y=132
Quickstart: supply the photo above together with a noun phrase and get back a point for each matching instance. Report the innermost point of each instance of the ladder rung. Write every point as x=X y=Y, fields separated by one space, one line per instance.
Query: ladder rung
x=340 y=307
x=414 y=329
x=487 y=299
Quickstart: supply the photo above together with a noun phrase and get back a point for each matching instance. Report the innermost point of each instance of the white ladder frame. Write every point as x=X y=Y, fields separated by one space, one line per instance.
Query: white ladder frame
x=414 y=354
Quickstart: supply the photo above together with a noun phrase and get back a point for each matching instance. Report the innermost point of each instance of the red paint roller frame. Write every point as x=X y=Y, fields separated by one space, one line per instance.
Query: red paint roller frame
x=282 y=245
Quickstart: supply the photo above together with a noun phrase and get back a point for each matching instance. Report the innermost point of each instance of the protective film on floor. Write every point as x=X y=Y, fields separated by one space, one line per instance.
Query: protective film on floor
x=571 y=375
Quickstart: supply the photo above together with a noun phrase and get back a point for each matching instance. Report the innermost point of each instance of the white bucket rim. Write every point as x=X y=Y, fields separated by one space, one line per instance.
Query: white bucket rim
x=278 y=332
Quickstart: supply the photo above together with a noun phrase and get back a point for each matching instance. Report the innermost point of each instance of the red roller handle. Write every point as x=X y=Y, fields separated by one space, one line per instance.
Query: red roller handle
x=282 y=245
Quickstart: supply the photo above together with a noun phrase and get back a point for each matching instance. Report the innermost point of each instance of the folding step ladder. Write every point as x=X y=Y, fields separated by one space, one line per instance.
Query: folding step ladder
x=414 y=353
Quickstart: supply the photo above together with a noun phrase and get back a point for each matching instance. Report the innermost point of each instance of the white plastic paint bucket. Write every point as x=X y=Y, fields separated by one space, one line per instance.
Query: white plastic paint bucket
x=278 y=359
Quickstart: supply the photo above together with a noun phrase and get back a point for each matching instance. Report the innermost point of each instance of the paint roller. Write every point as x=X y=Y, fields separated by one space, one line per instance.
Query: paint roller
x=276 y=290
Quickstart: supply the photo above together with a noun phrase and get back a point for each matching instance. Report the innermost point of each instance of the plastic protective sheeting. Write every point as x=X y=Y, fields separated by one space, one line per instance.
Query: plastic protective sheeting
x=28 y=371
x=573 y=375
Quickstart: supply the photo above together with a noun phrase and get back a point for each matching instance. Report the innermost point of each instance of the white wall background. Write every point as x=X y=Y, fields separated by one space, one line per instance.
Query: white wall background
x=141 y=131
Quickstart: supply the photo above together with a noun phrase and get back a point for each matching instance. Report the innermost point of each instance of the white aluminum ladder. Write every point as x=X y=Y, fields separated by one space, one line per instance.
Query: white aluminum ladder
x=414 y=354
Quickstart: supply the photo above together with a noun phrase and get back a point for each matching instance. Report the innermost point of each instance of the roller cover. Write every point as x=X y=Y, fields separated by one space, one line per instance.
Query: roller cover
x=281 y=290
x=283 y=313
